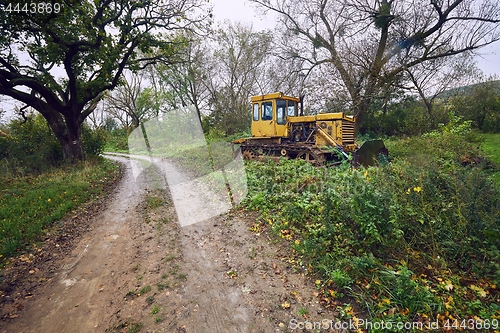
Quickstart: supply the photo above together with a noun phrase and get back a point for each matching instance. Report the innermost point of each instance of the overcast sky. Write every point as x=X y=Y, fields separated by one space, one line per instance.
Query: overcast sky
x=242 y=10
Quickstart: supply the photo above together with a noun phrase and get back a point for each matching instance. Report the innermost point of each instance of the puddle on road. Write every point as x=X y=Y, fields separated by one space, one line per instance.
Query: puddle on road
x=68 y=282
x=111 y=237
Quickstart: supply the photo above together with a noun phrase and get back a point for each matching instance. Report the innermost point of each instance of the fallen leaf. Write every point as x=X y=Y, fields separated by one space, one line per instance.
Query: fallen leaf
x=448 y=285
x=479 y=291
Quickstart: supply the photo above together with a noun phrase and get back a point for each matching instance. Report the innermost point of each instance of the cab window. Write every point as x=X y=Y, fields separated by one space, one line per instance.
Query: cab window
x=291 y=108
x=256 y=112
x=267 y=111
x=280 y=111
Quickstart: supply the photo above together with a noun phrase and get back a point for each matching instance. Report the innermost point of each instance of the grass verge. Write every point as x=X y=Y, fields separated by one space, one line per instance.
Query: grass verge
x=491 y=148
x=30 y=204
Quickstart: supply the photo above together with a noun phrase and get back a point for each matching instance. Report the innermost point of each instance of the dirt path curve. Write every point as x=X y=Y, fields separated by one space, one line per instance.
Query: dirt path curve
x=138 y=270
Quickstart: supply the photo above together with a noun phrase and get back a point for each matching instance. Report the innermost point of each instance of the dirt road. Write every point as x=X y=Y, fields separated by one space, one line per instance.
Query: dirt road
x=135 y=269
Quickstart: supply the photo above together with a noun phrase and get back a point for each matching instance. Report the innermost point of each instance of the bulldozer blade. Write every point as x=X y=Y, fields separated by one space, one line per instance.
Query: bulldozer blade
x=370 y=153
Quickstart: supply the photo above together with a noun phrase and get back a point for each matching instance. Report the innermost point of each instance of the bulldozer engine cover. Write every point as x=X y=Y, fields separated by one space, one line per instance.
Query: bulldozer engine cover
x=370 y=153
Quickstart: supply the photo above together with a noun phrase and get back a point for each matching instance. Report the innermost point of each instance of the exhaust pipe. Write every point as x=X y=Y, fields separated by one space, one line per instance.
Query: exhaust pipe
x=302 y=105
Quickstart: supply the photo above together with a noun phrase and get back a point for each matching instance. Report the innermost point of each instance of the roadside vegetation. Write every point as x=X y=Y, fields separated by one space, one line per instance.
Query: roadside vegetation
x=37 y=188
x=413 y=240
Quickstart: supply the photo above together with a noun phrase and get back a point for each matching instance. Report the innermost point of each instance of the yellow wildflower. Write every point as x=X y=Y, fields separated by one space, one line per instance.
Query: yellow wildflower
x=386 y=301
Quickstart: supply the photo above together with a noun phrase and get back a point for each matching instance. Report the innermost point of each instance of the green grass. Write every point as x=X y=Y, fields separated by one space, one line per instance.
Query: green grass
x=155 y=309
x=30 y=204
x=145 y=289
x=303 y=312
x=154 y=201
x=491 y=148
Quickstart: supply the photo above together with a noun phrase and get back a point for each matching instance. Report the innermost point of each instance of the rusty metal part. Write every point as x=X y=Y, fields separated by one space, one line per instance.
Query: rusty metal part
x=313 y=156
x=248 y=154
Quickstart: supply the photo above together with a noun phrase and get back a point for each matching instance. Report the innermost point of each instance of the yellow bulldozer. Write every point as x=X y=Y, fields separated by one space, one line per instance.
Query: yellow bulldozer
x=280 y=129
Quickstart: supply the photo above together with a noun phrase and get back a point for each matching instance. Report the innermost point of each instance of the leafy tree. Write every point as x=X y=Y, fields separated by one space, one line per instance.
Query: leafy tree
x=61 y=59
x=479 y=103
x=369 y=44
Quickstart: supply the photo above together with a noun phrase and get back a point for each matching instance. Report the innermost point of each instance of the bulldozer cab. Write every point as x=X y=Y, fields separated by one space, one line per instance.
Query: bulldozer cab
x=271 y=113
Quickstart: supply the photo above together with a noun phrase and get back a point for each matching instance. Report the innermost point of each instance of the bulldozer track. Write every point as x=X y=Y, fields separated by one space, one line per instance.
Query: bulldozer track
x=309 y=153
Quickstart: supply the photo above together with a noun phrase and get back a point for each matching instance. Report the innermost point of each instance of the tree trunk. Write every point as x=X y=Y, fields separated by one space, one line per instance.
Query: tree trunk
x=72 y=144
x=68 y=133
x=429 y=107
x=359 y=111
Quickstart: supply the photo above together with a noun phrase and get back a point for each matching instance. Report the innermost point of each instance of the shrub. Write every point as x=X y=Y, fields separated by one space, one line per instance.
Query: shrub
x=31 y=147
x=93 y=141
x=117 y=140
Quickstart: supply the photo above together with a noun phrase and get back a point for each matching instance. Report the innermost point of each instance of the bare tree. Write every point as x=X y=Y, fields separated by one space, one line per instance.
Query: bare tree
x=369 y=44
x=430 y=79
x=219 y=75
x=98 y=118
x=278 y=73
x=127 y=102
x=182 y=84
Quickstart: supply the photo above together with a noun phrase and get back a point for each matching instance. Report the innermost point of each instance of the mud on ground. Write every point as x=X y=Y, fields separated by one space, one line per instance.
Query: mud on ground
x=127 y=266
